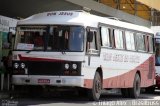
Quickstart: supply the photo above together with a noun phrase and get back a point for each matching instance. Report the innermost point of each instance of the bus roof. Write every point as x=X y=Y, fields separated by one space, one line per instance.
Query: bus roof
x=77 y=18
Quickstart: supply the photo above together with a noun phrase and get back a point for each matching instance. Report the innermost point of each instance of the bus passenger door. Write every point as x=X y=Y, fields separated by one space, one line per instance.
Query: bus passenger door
x=92 y=47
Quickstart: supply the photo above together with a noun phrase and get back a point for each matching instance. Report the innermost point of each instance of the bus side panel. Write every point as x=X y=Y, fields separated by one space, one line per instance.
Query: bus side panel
x=119 y=68
x=146 y=71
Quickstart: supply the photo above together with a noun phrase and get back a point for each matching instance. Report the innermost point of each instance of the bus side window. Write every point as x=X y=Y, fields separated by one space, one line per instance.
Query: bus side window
x=105 y=36
x=118 y=37
x=130 y=43
x=140 y=42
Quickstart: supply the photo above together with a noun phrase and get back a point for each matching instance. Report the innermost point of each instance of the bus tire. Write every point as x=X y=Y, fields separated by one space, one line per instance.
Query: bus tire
x=95 y=92
x=135 y=91
x=125 y=92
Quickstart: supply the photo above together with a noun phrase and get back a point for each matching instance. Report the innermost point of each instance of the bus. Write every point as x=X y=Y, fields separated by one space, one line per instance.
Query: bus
x=156 y=30
x=81 y=50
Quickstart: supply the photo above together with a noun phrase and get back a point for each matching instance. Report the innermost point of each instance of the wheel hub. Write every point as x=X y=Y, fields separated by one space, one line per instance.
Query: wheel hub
x=98 y=86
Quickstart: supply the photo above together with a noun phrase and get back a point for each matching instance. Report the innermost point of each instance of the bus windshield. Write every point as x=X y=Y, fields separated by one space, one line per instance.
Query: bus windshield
x=50 y=38
x=157 y=47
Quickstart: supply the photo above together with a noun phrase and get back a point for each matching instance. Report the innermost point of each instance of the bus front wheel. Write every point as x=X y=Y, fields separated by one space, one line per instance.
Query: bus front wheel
x=95 y=92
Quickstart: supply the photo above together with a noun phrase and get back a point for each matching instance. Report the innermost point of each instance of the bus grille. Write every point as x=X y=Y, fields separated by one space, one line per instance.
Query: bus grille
x=45 y=68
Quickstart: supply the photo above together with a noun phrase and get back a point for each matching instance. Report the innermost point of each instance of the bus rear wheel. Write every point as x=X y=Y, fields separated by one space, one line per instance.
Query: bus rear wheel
x=135 y=91
x=95 y=92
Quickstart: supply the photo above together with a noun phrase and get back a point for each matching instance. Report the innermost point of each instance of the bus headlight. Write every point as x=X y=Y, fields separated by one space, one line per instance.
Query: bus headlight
x=74 y=66
x=16 y=65
x=66 y=66
x=23 y=65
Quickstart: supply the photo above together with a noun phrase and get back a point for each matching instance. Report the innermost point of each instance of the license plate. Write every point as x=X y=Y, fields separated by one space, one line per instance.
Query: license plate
x=44 y=81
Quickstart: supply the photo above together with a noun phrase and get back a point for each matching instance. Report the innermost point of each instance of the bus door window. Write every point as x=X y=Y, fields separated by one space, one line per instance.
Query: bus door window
x=92 y=46
x=93 y=43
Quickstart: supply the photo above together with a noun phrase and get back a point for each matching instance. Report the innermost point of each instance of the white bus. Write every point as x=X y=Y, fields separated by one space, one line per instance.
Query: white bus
x=81 y=50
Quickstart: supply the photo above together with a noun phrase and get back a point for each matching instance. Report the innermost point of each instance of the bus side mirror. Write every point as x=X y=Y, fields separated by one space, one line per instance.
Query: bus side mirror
x=90 y=36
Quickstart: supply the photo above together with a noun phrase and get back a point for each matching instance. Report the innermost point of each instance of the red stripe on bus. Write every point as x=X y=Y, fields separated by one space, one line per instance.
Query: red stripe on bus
x=38 y=59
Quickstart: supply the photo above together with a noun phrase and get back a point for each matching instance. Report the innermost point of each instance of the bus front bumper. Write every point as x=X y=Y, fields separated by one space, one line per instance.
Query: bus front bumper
x=76 y=81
